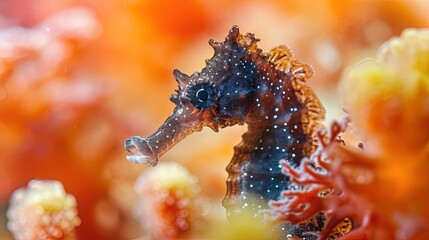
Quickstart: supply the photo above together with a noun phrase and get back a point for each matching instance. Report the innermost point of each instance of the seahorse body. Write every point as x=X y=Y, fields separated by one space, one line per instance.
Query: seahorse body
x=242 y=84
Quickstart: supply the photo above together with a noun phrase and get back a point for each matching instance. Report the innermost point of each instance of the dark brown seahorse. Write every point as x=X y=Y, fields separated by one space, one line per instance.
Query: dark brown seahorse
x=242 y=84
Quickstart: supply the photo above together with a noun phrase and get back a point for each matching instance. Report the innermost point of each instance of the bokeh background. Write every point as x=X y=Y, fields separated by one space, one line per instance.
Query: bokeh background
x=77 y=77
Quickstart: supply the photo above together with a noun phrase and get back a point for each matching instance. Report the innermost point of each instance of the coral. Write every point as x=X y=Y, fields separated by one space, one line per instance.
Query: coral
x=30 y=55
x=392 y=119
x=320 y=188
x=394 y=124
x=393 y=112
x=54 y=121
x=42 y=94
x=382 y=189
x=43 y=210
x=168 y=202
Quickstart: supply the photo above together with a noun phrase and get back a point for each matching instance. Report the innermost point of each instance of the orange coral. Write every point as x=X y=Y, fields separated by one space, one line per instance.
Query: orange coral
x=52 y=123
x=168 y=206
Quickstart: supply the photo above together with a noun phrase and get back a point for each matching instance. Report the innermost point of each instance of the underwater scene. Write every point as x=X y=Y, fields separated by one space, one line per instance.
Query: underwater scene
x=223 y=120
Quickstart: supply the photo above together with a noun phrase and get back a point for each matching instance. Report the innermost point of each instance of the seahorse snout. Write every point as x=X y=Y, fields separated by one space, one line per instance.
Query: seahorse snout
x=141 y=151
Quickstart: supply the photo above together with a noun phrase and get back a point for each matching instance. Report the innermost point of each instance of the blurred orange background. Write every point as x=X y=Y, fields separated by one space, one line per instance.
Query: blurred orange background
x=74 y=87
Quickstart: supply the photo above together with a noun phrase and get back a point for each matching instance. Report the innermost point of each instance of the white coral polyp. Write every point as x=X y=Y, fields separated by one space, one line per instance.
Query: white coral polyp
x=42 y=211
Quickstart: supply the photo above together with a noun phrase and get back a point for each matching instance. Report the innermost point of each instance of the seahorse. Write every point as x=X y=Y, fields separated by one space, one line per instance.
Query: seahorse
x=241 y=84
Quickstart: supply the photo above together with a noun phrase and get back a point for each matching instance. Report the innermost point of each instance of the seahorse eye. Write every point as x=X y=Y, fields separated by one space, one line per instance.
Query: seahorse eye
x=202 y=95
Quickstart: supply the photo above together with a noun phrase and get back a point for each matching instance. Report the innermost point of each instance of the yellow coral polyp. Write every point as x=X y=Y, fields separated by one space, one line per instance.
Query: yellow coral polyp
x=172 y=176
x=388 y=101
x=49 y=197
x=167 y=203
x=42 y=211
x=388 y=97
x=409 y=57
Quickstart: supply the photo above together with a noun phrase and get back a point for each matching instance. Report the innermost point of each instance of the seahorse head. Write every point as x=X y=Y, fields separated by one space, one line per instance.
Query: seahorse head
x=239 y=84
x=216 y=97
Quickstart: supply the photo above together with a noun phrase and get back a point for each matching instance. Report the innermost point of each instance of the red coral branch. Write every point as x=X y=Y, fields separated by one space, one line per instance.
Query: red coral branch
x=323 y=188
